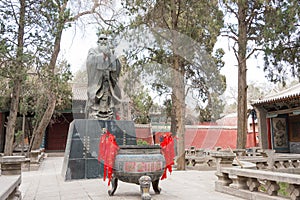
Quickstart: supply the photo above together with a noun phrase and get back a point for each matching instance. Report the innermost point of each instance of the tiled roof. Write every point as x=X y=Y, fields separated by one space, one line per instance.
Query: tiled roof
x=79 y=91
x=287 y=94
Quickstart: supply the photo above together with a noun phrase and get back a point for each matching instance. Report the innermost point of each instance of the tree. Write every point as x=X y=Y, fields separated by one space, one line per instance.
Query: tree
x=281 y=40
x=255 y=92
x=13 y=58
x=214 y=106
x=184 y=34
x=141 y=103
x=212 y=111
x=259 y=25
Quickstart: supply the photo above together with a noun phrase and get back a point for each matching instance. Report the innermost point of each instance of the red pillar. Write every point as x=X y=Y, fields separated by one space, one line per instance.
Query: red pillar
x=253 y=128
x=269 y=133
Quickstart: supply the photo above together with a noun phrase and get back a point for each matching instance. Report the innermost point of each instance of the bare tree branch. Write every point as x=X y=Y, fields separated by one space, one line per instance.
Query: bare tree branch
x=231 y=37
x=91 y=11
x=236 y=53
x=232 y=10
x=233 y=31
x=253 y=51
x=14 y=14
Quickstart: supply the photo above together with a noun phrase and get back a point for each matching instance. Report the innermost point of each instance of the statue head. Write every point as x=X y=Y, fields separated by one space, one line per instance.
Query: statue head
x=103 y=40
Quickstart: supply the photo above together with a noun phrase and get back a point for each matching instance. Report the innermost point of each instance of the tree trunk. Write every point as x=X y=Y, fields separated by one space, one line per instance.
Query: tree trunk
x=179 y=105
x=12 y=118
x=11 y=124
x=38 y=133
x=178 y=102
x=178 y=89
x=173 y=128
x=242 y=76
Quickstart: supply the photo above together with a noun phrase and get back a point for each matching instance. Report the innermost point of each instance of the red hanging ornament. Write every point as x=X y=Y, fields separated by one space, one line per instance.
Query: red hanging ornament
x=167 y=149
x=108 y=149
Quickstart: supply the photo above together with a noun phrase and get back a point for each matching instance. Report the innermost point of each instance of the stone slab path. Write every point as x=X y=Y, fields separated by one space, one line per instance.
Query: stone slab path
x=48 y=184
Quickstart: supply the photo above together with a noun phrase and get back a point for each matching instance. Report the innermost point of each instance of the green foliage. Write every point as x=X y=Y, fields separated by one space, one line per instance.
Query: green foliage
x=63 y=90
x=283 y=189
x=273 y=30
x=156 y=37
x=261 y=26
x=5 y=91
x=40 y=29
x=211 y=112
x=34 y=101
x=29 y=46
x=255 y=92
x=142 y=142
x=18 y=137
x=281 y=40
x=141 y=105
x=281 y=192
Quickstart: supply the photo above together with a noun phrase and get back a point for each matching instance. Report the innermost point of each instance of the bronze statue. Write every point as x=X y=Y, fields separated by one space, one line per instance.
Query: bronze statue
x=103 y=70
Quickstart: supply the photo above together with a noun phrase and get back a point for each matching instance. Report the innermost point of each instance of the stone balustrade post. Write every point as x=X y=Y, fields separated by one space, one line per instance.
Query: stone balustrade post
x=272 y=188
x=238 y=182
x=270 y=159
x=223 y=159
x=294 y=191
x=12 y=165
x=253 y=184
x=34 y=156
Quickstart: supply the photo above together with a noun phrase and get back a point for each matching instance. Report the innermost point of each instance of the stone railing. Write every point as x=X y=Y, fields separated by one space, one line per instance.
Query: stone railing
x=249 y=183
x=276 y=162
x=199 y=156
x=10 y=177
x=32 y=159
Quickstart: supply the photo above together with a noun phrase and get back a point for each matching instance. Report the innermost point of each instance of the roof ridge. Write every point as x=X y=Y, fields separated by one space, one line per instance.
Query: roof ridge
x=292 y=91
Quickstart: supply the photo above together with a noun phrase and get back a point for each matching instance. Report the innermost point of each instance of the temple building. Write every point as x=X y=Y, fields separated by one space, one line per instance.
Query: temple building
x=279 y=120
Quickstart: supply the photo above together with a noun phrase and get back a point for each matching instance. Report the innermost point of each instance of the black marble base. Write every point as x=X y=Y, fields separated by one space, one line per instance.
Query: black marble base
x=81 y=154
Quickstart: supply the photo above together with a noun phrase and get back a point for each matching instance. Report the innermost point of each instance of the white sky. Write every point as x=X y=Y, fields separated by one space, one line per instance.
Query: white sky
x=75 y=45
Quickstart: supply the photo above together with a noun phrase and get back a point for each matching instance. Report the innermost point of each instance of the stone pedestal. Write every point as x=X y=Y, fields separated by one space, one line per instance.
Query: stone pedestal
x=81 y=154
x=11 y=165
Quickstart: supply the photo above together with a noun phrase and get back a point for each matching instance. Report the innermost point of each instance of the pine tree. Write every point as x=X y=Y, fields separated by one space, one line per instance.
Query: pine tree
x=269 y=27
x=182 y=41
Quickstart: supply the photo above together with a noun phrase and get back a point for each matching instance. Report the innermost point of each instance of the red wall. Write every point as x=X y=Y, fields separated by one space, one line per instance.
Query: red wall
x=206 y=138
x=209 y=138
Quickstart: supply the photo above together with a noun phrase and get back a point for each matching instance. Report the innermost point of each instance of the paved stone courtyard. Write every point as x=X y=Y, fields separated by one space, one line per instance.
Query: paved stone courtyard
x=47 y=184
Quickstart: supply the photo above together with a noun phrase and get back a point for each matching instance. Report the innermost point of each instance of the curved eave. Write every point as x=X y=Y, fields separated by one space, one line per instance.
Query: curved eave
x=277 y=100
